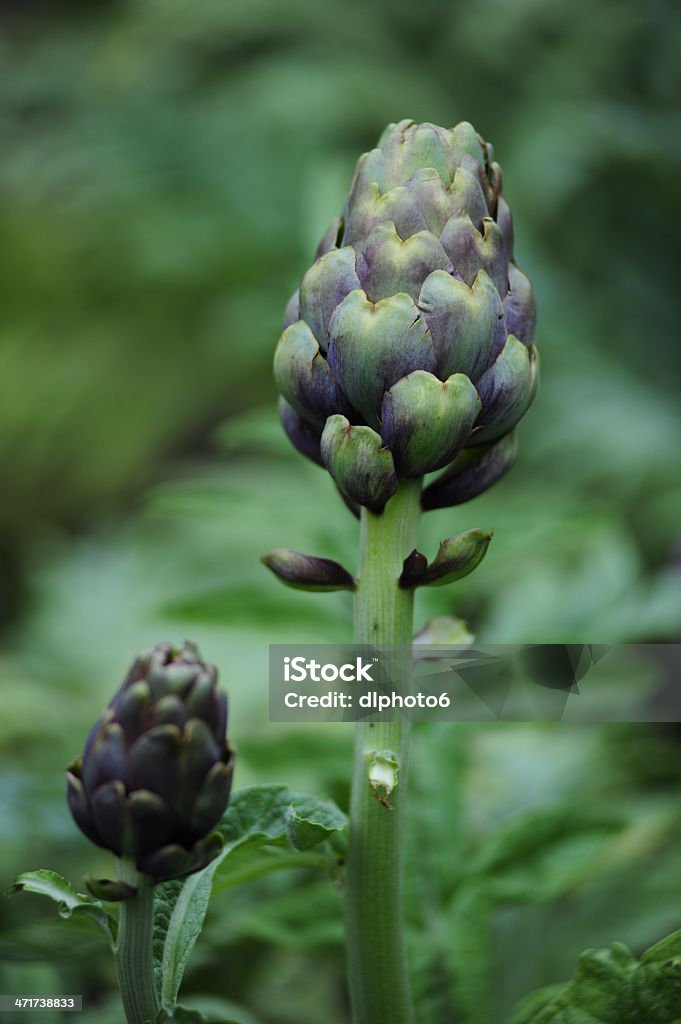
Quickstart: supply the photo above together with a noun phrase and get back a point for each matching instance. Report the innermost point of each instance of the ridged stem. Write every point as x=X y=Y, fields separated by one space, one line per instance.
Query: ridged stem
x=134 y=960
x=377 y=966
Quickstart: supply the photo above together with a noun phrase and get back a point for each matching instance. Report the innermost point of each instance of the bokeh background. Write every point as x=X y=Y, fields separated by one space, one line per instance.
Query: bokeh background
x=166 y=170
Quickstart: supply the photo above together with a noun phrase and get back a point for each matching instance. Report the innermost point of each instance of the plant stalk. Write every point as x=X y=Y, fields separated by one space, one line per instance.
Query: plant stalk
x=134 y=960
x=377 y=965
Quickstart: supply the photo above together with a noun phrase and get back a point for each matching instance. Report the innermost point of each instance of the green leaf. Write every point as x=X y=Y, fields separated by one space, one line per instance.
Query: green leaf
x=272 y=814
x=179 y=912
x=311 y=821
x=257 y=816
x=611 y=987
x=69 y=902
x=666 y=949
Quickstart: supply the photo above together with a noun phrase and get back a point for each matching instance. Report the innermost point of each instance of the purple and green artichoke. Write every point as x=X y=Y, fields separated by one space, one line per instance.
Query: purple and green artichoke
x=156 y=771
x=408 y=346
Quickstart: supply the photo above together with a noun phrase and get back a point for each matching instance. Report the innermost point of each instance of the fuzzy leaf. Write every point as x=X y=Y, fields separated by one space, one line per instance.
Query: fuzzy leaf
x=311 y=821
x=257 y=816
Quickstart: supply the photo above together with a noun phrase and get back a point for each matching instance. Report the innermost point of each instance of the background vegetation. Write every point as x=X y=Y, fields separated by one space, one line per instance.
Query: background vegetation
x=166 y=170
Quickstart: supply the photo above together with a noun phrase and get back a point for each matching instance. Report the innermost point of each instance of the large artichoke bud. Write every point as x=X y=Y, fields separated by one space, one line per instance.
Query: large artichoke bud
x=156 y=772
x=409 y=339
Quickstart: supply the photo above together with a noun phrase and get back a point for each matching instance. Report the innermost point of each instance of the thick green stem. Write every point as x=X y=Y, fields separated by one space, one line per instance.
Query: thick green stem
x=378 y=976
x=134 y=962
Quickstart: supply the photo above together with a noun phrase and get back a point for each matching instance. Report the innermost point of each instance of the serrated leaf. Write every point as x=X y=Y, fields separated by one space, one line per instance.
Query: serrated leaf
x=611 y=987
x=69 y=902
x=310 y=821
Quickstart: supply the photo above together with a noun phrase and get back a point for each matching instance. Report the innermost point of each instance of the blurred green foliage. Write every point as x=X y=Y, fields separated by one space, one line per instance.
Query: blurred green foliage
x=166 y=170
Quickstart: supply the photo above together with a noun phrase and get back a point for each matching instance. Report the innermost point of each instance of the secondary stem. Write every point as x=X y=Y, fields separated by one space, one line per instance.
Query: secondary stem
x=378 y=976
x=134 y=962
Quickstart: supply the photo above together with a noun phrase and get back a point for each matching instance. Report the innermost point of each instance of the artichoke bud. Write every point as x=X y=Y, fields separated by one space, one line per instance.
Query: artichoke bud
x=456 y=557
x=156 y=772
x=408 y=343
x=305 y=572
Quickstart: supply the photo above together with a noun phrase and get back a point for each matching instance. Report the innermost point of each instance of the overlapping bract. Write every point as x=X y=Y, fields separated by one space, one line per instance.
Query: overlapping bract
x=410 y=336
x=156 y=771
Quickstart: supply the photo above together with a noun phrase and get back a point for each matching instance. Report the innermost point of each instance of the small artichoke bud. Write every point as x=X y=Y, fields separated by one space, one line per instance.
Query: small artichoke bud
x=413 y=328
x=306 y=572
x=456 y=557
x=109 y=890
x=156 y=771
x=471 y=473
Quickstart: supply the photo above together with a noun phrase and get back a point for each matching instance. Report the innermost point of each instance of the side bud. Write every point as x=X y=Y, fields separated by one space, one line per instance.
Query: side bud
x=306 y=572
x=456 y=557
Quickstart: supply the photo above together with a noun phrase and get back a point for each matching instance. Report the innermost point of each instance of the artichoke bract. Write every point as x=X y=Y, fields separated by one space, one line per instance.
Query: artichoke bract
x=408 y=343
x=156 y=771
